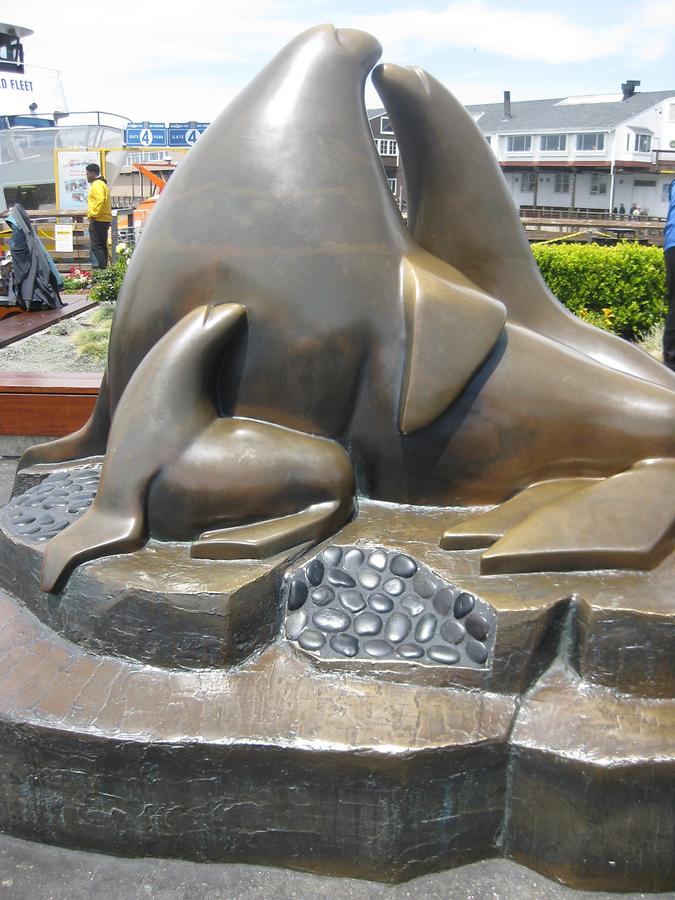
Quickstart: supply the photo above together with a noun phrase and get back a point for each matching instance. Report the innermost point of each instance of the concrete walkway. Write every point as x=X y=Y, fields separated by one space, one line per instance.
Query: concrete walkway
x=30 y=871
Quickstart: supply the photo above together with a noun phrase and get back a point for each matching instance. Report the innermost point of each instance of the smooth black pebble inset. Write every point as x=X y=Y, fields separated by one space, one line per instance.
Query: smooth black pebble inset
x=403 y=566
x=344 y=644
x=463 y=605
x=477 y=626
x=314 y=572
x=297 y=594
x=311 y=639
x=476 y=651
x=338 y=578
x=331 y=620
x=443 y=601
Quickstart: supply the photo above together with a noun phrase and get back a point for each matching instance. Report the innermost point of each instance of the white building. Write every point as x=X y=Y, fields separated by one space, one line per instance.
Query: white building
x=596 y=152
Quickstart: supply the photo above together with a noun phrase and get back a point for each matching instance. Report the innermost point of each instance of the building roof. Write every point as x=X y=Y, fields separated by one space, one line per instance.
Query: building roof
x=598 y=113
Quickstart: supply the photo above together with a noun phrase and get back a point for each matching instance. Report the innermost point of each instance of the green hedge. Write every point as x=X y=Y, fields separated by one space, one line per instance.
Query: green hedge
x=620 y=288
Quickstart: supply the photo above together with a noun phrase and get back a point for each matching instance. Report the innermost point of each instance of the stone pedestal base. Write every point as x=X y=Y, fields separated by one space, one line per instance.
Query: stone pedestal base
x=160 y=706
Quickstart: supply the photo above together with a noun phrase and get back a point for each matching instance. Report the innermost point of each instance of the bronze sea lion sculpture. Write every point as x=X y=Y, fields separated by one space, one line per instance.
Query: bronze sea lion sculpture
x=460 y=209
x=353 y=332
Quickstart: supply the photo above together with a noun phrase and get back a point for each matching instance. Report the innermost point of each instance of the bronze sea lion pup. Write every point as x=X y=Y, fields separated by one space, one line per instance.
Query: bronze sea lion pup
x=170 y=453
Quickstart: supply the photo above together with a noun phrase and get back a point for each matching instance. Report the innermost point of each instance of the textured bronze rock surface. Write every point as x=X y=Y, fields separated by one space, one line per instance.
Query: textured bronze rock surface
x=378 y=768
x=233 y=630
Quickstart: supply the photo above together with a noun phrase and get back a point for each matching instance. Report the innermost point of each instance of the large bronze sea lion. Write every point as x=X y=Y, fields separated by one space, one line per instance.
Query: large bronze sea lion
x=353 y=331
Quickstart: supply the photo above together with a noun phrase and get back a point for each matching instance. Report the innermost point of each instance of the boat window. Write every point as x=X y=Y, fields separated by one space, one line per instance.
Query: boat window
x=11 y=53
x=30 y=196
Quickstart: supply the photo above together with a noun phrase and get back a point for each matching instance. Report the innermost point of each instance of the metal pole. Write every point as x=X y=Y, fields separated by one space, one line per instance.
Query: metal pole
x=611 y=174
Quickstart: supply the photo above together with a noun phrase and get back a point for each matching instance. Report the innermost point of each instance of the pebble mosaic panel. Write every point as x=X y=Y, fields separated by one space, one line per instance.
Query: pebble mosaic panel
x=381 y=604
x=52 y=505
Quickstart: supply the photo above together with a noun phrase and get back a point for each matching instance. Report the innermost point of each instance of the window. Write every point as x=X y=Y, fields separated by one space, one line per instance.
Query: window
x=145 y=156
x=643 y=143
x=644 y=182
x=519 y=143
x=665 y=191
x=385 y=126
x=35 y=196
x=392 y=185
x=387 y=148
x=488 y=138
x=527 y=182
x=561 y=183
x=598 y=184
x=590 y=142
x=548 y=142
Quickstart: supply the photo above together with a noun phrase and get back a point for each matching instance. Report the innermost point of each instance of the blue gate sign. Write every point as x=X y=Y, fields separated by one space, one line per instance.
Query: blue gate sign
x=185 y=134
x=145 y=134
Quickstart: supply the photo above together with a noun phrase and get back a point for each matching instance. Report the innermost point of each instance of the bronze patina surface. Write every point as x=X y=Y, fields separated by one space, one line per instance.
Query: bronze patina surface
x=364 y=563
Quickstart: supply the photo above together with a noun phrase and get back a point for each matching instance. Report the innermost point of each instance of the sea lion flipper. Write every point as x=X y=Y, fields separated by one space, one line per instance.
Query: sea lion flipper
x=486 y=528
x=90 y=440
x=97 y=533
x=438 y=300
x=622 y=522
x=261 y=540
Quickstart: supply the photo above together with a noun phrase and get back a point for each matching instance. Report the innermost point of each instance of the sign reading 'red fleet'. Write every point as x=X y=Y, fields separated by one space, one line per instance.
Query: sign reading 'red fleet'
x=35 y=85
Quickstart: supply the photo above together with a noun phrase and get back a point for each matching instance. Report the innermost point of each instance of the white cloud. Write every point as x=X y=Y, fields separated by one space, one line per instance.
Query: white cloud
x=177 y=60
x=549 y=37
x=659 y=14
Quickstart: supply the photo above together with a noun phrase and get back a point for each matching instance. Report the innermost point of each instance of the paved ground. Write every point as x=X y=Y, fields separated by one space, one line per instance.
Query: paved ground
x=31 y=871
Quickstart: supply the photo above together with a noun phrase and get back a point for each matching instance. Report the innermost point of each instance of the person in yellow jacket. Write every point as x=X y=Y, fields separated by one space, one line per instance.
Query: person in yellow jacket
x=100 y=215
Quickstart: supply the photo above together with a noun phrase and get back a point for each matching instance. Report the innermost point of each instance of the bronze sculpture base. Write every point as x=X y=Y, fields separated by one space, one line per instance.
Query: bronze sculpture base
x=557 y=751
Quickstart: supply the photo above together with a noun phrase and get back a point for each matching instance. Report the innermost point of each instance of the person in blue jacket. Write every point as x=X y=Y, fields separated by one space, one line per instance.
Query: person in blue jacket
x=669 y=256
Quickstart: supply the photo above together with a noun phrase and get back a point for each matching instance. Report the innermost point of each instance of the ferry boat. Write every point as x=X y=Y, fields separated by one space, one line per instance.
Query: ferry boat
x=35 y=121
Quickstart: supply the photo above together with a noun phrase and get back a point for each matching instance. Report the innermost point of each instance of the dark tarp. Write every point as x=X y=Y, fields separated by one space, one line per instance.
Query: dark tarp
x=35 y=280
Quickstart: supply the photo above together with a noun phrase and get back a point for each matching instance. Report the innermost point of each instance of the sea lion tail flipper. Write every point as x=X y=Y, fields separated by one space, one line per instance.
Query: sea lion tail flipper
x=484 y=529
x=90 y=440
x=623 y=522
x=98 y=532
x=261 y=540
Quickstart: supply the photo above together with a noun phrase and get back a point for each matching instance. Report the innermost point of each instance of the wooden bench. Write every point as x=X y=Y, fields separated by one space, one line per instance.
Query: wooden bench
x=15 y=326
x=54 y=404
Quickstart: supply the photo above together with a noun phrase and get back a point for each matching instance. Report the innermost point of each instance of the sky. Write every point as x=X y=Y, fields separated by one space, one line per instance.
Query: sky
x=180 y=61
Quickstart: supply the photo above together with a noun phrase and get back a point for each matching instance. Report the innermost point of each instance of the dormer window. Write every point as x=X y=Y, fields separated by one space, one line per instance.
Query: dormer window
x=519 y=143
x=590 y=142
x=553 y=142
x=385 y=126
x=643 y=143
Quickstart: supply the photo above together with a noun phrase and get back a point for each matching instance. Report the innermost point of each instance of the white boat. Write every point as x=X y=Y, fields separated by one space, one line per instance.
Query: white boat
x=35 y=121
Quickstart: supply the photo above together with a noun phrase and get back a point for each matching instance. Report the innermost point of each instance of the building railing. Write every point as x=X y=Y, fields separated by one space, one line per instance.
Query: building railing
x=580 y=213
x=124 y=201
x=663 y=157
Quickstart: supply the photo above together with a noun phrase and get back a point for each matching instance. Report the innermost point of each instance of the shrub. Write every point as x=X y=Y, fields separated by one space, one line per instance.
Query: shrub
x=619 y=288
x=108 y=282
